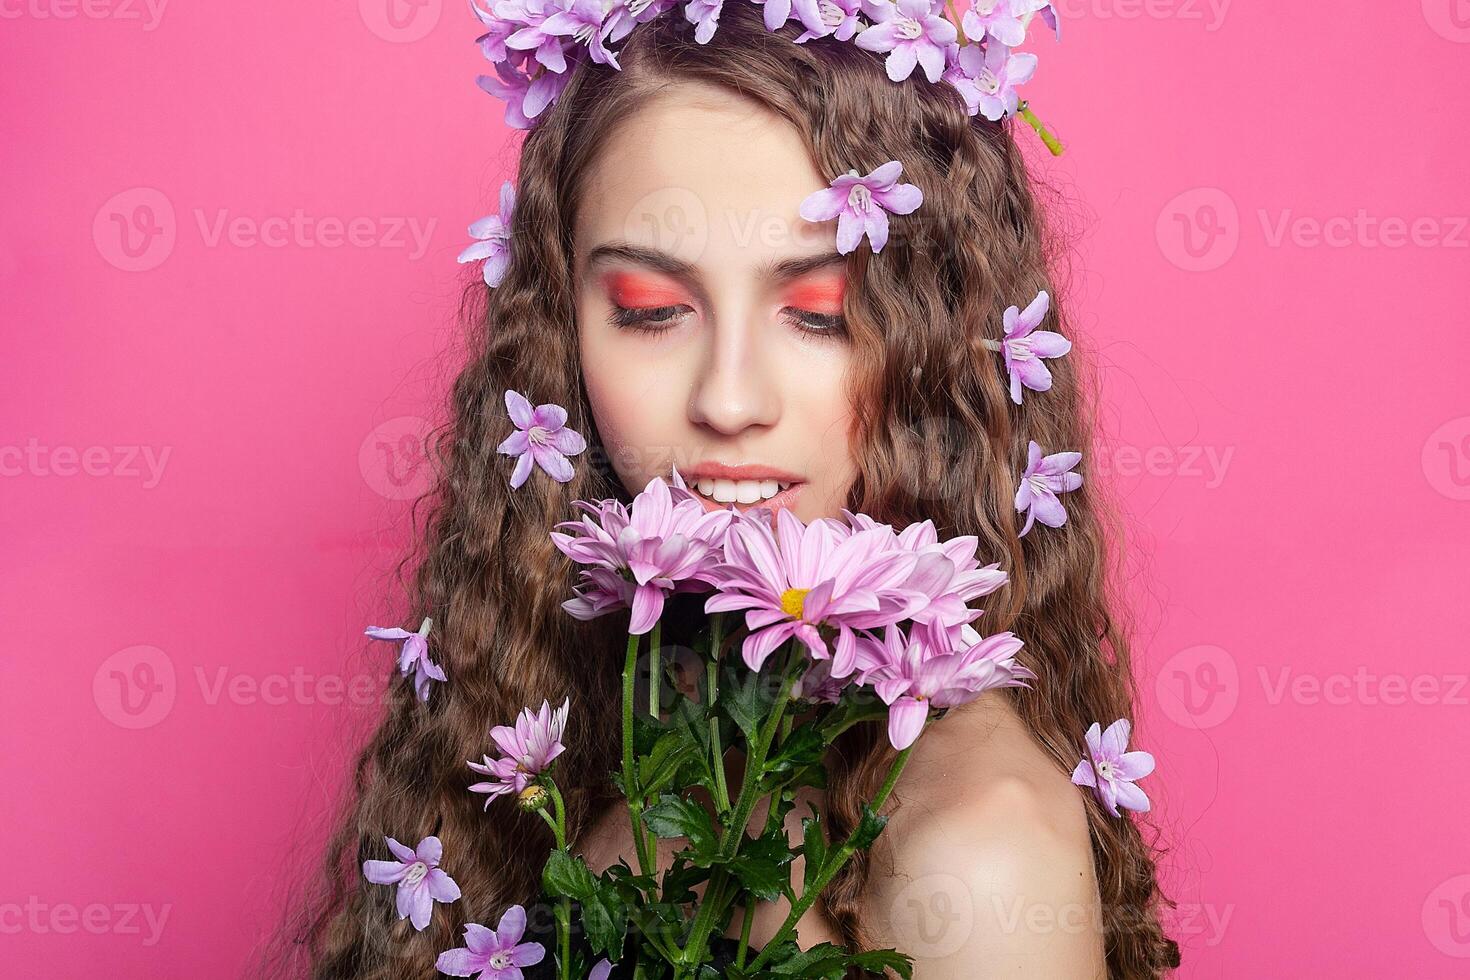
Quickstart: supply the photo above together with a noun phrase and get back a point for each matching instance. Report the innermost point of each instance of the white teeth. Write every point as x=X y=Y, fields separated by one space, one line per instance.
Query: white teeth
x=739 y=491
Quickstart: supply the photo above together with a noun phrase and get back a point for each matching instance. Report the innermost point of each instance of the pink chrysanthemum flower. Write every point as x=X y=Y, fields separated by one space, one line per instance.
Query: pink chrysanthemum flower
x=800 y=579
x=497 y=955
x=528 y=748
x=665 y=542
x=420 y=880
x=917 y=671
x=1111 y=770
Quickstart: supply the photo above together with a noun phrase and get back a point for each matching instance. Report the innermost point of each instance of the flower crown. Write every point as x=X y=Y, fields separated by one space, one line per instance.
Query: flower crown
x=534 y=43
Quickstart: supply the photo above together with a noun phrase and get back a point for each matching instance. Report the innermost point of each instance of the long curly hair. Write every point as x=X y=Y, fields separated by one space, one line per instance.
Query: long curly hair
x=935 y=436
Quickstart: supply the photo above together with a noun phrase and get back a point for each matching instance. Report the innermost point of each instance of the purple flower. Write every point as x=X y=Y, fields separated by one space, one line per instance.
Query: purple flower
x=1025 y=346
x=493 y=234
x=665 y=542
x=803 y=578
x=861 y=205
x=532 y=18
x=413 y=656
x=497 y=955
x=585 y=22
x=821 y=18
x=1003 y=20
x=601 y=971
x=529 y=748
x=1111 y=771
x=705 y=16
x=1044 y=478
x=420 y=880
x=913 y=673
x=627 y=14
x=774 y=12
x=541 y=437
x=525 y=97
x=913 y=33
x=987 y=78
x=492 y=42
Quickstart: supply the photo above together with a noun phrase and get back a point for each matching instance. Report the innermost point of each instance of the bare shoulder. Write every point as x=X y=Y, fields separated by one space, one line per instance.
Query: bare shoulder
x=986 y=868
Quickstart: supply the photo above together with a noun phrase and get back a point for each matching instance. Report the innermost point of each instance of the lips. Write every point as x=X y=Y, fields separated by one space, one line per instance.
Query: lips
x=748 y=485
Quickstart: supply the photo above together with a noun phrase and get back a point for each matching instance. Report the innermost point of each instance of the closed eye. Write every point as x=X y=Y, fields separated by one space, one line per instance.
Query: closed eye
x=652 y=319
x=819 y=324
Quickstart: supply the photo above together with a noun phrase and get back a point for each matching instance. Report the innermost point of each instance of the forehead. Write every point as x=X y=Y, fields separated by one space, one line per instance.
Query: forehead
x=706 y=175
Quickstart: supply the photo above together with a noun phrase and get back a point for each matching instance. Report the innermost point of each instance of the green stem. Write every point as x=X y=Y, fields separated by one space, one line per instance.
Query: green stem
x=630 y=773
x=714 y=896
x=755 y=761
x=1047 y=136
x=830 y=868
x=745 y=931
x=655 y=668
x=558 y=826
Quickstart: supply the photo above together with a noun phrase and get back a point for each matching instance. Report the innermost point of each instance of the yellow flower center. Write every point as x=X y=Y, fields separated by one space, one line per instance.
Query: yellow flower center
x=793 y=602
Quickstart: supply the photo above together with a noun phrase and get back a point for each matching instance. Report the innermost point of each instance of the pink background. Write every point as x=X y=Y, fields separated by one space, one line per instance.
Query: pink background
x=1287 y=411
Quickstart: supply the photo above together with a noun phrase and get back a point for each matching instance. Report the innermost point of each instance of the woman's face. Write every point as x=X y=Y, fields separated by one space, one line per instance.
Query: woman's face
x=709 y=312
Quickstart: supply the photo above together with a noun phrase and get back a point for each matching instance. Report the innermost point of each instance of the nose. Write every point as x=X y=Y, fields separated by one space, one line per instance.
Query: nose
x=734 y=388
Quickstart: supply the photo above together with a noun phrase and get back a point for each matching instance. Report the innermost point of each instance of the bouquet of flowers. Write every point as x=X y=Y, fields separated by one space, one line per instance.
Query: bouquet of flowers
x=844 y=621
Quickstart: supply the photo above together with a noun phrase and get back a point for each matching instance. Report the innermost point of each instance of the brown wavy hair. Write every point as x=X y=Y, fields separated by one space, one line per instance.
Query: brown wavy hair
x=936 y=437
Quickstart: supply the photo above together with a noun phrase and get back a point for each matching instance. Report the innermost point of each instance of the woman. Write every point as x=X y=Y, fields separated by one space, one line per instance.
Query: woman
x=663 y=286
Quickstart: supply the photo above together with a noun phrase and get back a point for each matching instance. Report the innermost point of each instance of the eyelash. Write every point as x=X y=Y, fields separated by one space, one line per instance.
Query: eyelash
x=656 y=319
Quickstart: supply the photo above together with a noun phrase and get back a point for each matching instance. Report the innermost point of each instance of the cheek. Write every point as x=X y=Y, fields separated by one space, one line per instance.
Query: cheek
x=633 y=405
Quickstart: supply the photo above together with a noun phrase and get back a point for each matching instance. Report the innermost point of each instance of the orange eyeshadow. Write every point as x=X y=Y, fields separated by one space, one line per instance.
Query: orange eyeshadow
x=819 y=295
x=633 y=291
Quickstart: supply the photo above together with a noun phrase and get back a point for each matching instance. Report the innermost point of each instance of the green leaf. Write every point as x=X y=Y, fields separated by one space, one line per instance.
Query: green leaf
x=605 y=917
x=803 y=747
x=813 y=848
x=670 y=752
x=763 y=865
x=868 y=828
x=823 y=960
x=878 y=960
x=566 y=877
x=674 y=816
x=747 y=698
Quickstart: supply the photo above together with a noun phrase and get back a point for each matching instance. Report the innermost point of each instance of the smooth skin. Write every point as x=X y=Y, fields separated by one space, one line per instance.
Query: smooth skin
x=708 y=316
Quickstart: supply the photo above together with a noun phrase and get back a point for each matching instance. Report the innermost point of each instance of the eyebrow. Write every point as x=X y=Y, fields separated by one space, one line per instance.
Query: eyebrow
x=783 y=270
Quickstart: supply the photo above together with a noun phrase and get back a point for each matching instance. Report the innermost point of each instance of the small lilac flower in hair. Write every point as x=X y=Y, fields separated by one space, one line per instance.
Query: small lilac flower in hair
x=413 y=655
x=534 y=35
x=420 y=880
x=988 y=78
x=1043 y=479
x=1111 y=770
x=528 y=748
x=861 y=205
x=774 y=12
x=585 y=22
x=492 y=42
x=628 y=14
x=1024 y=346
x=497 y=955
x=493 y=234
x=541 y=438
x=824 y=18
x=913 y=32
x=705 y=16
x=601 y=971
x=525 y=98
x=1003 y=20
